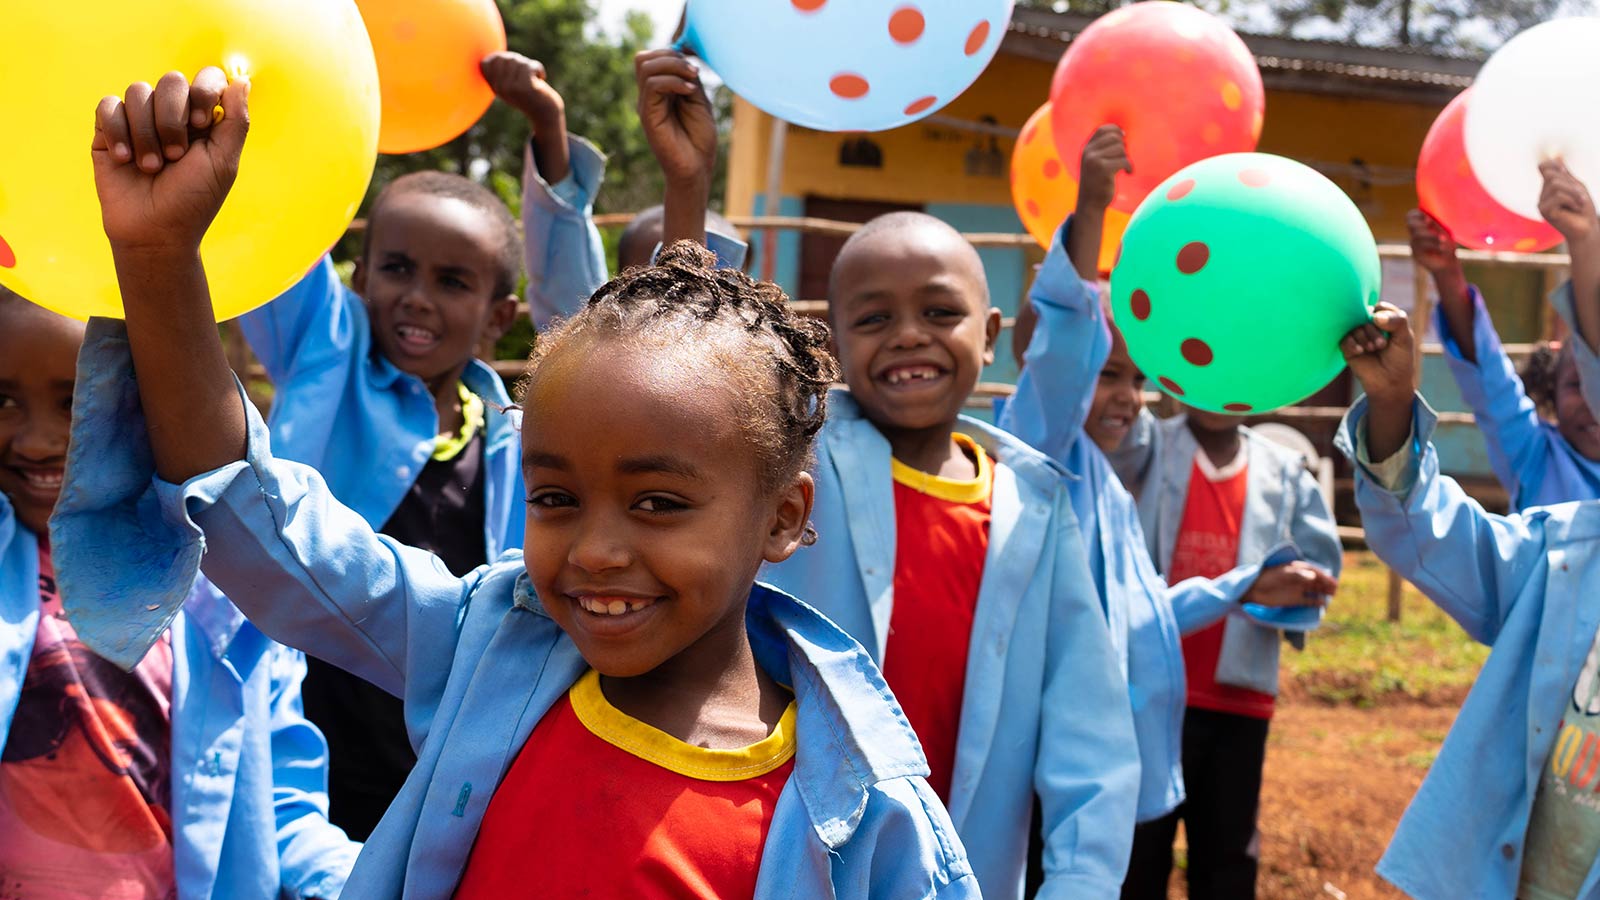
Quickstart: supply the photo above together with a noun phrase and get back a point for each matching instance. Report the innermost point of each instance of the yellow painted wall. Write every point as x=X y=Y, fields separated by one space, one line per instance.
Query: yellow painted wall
x=924 y=163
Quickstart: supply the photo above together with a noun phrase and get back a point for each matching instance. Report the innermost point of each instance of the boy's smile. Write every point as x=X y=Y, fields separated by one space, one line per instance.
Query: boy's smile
x=1118 y=397
x=38 y=367
x=912 y=323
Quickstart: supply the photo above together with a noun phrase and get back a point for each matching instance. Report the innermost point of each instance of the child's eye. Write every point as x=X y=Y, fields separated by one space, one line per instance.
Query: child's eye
x=454 y=283
x=552 y=499
x=871 y=319
x=395 y=267
x=9 y=402
x=660 y=504
x=943 y=314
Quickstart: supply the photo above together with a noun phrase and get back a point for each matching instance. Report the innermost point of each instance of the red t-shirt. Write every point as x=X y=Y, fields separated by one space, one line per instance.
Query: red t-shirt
x=602 y=806
x=85 y=777
x=941 y=539
x=1208 y=546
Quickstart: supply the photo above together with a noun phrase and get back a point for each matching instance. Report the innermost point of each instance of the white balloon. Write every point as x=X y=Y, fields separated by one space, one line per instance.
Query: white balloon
x=1537 y=97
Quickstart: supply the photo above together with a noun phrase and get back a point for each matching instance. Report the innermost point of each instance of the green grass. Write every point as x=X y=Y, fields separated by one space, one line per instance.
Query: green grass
x=1358 y=657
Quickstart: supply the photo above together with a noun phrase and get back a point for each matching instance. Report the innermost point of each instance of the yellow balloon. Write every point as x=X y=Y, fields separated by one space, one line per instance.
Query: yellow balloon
x=314 y=108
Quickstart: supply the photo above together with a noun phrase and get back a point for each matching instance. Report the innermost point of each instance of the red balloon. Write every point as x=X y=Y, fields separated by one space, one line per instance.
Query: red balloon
x=1181 y=85
x=1448 y=190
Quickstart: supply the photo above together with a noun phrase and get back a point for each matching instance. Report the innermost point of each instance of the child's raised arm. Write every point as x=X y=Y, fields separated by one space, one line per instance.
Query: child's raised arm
x=561 y=175
x=1474 y=565
x=521 y=83
x=1566 y=204
x=1434 y=250
x=162 y=170
x=1380 y=356
x=682 y=130
x=1104 y=156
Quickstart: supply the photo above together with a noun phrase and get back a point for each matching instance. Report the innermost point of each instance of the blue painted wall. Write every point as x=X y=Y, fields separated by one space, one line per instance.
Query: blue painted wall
x=787 y=272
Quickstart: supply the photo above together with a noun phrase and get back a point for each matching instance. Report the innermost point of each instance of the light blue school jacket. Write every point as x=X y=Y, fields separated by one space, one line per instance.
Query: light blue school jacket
x=1069 y=347
x=1524 y=585
x=340 y=406
x=477 y=660
x=1529 y=456
x=249 y=799
x=1285 y=517
x=1046 y=708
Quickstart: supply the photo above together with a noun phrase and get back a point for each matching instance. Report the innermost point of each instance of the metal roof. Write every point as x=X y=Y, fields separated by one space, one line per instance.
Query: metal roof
x=1318 y=66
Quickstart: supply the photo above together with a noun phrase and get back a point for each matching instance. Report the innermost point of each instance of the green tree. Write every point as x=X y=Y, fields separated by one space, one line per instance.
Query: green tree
x=593 y=72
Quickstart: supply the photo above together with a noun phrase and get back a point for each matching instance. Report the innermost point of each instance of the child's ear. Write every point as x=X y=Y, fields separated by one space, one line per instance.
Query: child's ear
x=991 y=336
x=358 y=278
x=502 y=315
x=791 y=519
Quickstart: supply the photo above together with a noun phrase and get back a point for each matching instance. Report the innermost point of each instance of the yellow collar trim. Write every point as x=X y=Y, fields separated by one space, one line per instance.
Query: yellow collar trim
x=652 y=745
x=952 y=490
x=449 y=446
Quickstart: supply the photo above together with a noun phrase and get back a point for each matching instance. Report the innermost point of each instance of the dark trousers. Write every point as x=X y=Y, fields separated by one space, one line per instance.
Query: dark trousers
x=1222 y=759
x=369 y=754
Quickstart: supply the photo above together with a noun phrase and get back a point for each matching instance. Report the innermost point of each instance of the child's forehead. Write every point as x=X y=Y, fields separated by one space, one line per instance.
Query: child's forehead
x=420 y=220
x=35 y=339
x=910 y=261
x=687 y=383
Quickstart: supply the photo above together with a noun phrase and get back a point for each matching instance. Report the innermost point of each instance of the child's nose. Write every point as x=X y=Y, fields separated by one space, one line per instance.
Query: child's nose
x=43 y=437
x=910 y=334
x=416 y=297
x=597 y=549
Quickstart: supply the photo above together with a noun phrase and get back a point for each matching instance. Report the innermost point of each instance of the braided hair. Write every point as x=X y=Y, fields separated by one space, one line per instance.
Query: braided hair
x=778 y=361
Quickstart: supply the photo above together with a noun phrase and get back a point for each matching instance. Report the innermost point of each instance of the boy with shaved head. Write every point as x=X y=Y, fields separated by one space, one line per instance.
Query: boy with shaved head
x=952 y=553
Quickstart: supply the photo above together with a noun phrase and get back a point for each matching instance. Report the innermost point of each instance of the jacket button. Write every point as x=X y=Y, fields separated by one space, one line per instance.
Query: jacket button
x=1508 y=851
x=402 y=472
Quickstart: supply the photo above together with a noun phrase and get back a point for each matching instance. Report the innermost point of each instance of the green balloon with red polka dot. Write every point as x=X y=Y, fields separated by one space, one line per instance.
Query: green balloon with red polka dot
x=1238 y=277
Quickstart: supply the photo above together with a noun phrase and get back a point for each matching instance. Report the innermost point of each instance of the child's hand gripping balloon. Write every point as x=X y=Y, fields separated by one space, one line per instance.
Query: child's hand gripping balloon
x=163 y=164
x=1432 y=248
x=522 y=84
x=1382 y=357
x=1565 y=203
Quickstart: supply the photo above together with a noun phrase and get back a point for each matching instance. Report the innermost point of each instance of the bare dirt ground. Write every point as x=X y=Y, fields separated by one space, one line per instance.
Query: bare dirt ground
x=1337 y=779
x=1361 y=716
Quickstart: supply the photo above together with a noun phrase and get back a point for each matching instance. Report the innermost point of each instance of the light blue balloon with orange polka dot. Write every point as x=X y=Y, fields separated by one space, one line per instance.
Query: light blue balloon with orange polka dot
x=1238 y=278
x=847 y=65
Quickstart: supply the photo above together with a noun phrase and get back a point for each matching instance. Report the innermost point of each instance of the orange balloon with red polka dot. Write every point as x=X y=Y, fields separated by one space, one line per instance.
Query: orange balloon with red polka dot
x=1045 y=194
x=847 y=65
x=1178 y=81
